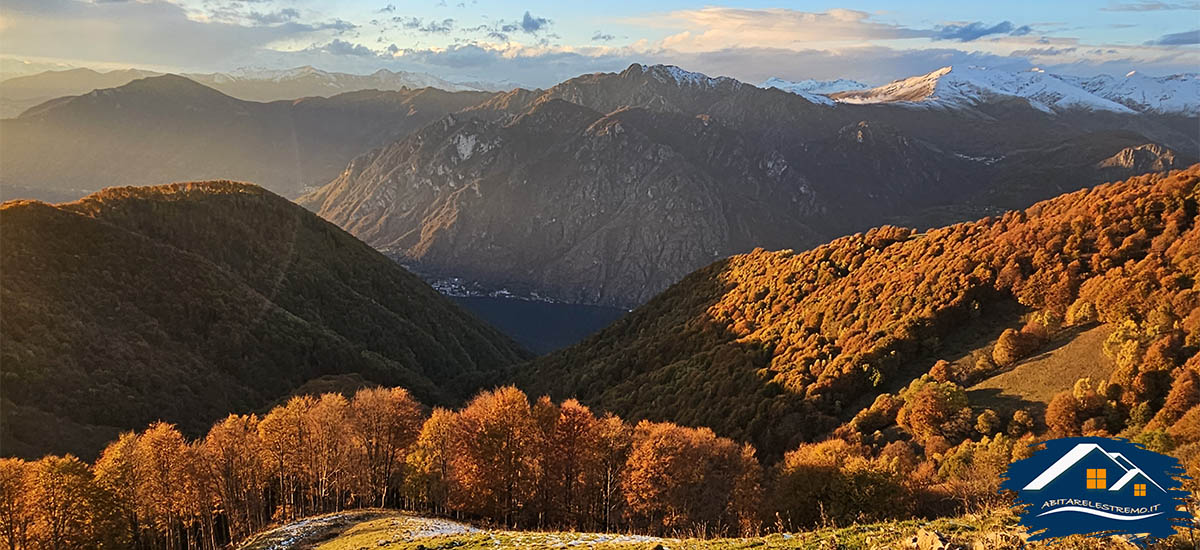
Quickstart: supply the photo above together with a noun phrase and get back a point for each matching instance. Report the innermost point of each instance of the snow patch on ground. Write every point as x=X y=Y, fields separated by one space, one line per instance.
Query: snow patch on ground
x=292 y=534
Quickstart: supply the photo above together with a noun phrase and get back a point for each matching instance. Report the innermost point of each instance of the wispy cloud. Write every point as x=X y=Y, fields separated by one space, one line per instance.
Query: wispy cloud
x=1185 y=38
x=431 y=27
x=966 y=32
x=271 y=18
x=718 y=27
x=1151 y=6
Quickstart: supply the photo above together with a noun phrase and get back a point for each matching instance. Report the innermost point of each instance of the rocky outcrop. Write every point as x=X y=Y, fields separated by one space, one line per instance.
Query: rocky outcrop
x=1150 y=157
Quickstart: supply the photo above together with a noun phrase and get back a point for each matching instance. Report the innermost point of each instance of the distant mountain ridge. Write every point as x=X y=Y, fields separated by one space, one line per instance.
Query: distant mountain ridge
x=191 y=301
x=306 y=81
x=20 y=93
x=171 y=128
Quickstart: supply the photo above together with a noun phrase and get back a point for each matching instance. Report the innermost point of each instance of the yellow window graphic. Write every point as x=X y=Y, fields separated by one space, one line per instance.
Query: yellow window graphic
x=1139 y=489
x=1097 y=478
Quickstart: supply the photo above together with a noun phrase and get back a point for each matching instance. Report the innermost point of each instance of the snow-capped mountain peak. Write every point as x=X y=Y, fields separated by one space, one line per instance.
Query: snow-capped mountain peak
x=1178 y=93
x=683 y=77
x=968 y=87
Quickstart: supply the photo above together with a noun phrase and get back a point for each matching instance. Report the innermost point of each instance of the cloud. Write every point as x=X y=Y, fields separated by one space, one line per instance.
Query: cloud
x=1041 y=52
x=271 y=18
x=974 y=31
x=1151 y=6
x=150 y=33
x=750 y=45
x=387 y=9
x=501 y=30
x=338 y=46
x=1185 y=38
x=719 y=27
x=432 y=27
x=531 y=24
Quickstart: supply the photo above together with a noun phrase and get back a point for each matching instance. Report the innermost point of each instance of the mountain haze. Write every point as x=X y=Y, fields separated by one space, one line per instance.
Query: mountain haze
x=20 y=93
x=169 y=128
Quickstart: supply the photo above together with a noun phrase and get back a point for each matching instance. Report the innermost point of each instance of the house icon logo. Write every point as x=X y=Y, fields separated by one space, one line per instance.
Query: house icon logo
x=1097 y=486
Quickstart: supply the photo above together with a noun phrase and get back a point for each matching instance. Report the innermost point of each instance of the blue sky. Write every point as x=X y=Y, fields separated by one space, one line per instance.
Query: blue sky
x=537 y=43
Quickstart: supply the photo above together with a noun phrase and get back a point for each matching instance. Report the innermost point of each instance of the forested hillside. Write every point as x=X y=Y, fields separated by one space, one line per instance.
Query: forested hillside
x=783 y=347
x=189 y=301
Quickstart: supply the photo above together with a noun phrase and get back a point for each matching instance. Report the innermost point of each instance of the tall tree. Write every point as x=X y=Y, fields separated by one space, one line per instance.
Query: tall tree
x=233 y=455
x=386 y=423
x=327 y=451
x=62 y=492
x=614 y=439
x=283 y=434
x=16 y=507
x=116 y=479
x=680 y=478
x=431 y=460
x=161 y=468
x=495 y=464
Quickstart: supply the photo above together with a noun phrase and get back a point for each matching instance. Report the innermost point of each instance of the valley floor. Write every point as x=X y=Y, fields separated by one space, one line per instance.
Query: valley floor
x=391 y=530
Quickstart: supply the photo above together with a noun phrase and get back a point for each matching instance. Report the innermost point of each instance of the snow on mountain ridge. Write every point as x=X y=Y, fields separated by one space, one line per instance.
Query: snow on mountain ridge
x=967 y=87
x=687 y=78
x=1178 y=93
x=816 y=91
x=959 y=87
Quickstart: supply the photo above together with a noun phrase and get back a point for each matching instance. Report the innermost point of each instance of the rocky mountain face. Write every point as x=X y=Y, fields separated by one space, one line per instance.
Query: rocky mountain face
x=170 y=128
x=191 y=301
x=607 y=187
x=548 y=201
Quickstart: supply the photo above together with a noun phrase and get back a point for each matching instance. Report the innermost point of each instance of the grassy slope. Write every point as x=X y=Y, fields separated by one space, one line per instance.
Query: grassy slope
x=400 y=531
x=1035 y=381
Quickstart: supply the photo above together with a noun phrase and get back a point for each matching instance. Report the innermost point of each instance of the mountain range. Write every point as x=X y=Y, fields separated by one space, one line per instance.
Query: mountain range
x=171 y=128
x=967 y=87
x=186 y=302
x=20 y=93
x=606 y=188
